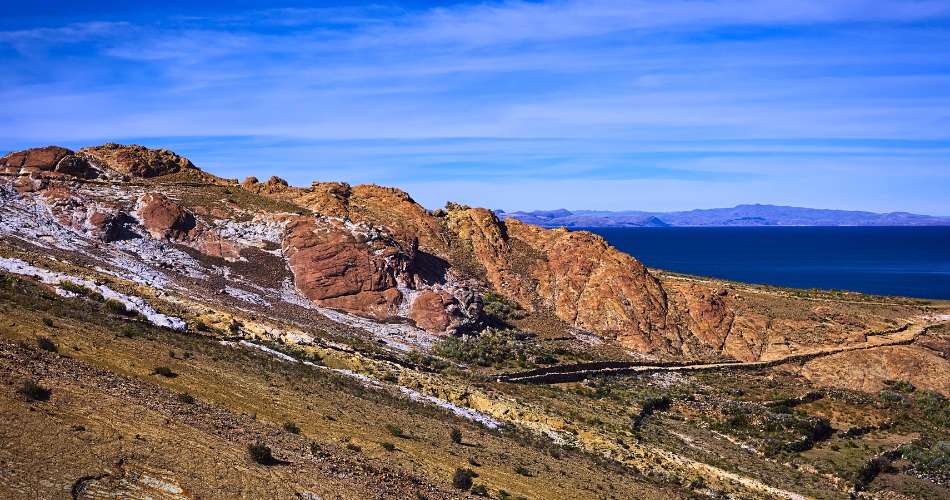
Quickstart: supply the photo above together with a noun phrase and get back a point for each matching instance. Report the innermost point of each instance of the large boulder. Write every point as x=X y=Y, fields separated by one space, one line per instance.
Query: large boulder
x=355 y=268
x=163 y=218
x=439 y=311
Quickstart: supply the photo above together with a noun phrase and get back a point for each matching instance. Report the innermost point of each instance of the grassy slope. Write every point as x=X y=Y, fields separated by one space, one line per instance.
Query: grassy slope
x=133 y=422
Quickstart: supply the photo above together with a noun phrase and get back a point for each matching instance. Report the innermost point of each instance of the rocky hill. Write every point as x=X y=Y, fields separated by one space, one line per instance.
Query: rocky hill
x=424 y=306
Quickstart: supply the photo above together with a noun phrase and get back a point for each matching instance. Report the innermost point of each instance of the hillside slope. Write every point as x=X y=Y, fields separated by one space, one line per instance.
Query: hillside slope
x=349 y=329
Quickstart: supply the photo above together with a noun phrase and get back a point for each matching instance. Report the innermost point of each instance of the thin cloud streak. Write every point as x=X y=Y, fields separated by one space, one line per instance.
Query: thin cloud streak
x=687 y=91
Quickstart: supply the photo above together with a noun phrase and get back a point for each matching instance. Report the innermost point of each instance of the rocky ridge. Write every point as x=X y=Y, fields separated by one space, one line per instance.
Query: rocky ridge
x=374 y=252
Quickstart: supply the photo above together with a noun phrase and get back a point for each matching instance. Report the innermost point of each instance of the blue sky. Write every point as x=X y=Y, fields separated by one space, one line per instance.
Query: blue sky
x=517 y=105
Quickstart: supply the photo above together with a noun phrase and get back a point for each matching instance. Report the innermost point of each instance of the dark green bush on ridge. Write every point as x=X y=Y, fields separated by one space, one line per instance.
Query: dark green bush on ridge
x=33 y=391
x=492 y=347
x=164 y=371
x=46 y=344
x=462 y=479
x=261 y=453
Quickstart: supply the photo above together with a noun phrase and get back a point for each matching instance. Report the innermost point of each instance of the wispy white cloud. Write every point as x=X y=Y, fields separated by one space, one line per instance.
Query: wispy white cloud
x=554 y=90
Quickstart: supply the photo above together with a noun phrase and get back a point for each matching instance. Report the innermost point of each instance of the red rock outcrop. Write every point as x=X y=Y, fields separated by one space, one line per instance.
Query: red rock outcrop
x=375 y=205
x=107 y=226
x=710 y=317
x=34 y=167
x=139 y=161
x=163 y=218
x=355 y=269
x=438 y=311
x=33 y=160
x=575 y=274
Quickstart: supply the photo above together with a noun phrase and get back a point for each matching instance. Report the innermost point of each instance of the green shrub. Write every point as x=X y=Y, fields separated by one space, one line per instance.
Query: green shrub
x=456 y=435
x=128 y=332
x=389 y=447
x=462 y=479
x=76 y=288
x=117 y=307
x=492 y=347
x=33 y=391
x=396 y=431
x=186 y=398
x=48 y=322
x=522 y=470
x=261 y=453
x=900 y=385
x=501 y=310
x=291 y=427
x=164 y=371
x=46 y=344
x=928 y=456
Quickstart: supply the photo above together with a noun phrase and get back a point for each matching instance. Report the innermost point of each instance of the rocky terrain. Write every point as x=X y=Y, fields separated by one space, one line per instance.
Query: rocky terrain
x=180 y=323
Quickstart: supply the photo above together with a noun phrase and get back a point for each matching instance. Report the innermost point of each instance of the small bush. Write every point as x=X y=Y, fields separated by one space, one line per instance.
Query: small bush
x=261 y=453
x=128 y=332
x=353 y=447
x=480 y=490
x=456 y=435
x=33 y=391
x=491 y=347
x=462 y=479
x=291 y=427
x=928 y=455
x=117 y=307
x=900 y=385
x=500 y=309
x=389 y=447
x=396 y=431
x=76 y=288
x=48 y=322
x=46 y=344
x=522 y=470
x=186 y=398
x=164 y=371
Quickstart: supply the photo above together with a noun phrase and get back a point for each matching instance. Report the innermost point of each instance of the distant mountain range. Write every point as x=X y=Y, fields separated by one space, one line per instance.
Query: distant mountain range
x=740 y=215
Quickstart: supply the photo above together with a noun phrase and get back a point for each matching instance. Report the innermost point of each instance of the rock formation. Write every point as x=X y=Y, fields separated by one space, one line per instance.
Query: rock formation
x=138 y=161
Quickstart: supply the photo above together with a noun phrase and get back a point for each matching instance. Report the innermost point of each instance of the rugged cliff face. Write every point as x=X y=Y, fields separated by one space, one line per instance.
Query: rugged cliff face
x=374 y=252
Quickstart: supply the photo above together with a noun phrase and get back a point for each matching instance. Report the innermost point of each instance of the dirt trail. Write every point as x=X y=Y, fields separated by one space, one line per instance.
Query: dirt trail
x=574 y=373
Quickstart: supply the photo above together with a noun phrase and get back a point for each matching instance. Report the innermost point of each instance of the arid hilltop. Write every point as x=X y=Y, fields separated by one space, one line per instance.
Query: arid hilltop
x=365 y=325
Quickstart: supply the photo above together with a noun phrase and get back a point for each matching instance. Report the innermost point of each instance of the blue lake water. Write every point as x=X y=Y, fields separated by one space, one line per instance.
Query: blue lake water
x=908 y=261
